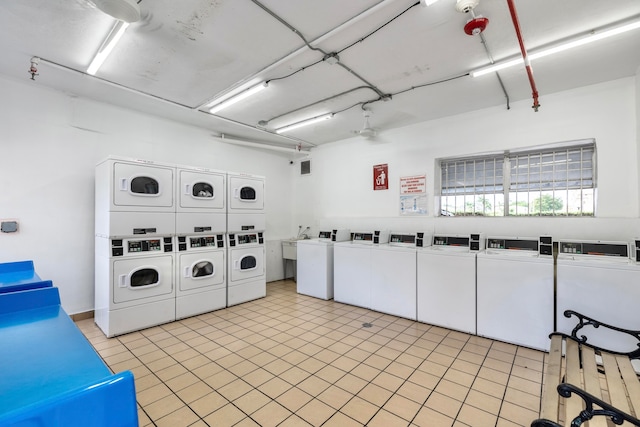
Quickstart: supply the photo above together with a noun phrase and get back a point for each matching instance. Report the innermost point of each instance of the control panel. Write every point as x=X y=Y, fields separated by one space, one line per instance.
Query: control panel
x=241 y=239
x=594 y=248
x=213 y=241
x=122 y=247
x=512 y=244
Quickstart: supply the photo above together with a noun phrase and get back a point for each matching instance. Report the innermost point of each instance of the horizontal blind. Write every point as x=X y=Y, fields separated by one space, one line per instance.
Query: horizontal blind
x=472 y=176
x=569 y=168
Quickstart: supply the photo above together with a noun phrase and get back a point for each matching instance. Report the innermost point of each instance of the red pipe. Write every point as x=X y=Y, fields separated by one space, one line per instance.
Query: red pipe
x=527 y=63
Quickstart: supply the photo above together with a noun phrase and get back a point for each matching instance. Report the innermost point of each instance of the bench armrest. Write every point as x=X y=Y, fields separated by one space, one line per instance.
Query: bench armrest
x=588 y=321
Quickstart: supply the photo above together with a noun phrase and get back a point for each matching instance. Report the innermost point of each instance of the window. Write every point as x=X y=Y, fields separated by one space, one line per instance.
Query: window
x=558 y=180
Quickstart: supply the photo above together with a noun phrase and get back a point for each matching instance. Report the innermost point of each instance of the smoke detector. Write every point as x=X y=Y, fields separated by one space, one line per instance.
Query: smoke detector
x=466 y=5
x=123 y=10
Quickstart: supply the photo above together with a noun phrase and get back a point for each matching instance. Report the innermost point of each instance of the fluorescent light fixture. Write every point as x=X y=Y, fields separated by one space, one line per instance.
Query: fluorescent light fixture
x=107 y=46
x=559 y=48
x=305 y=123
x=219 y=105
x=427 y=2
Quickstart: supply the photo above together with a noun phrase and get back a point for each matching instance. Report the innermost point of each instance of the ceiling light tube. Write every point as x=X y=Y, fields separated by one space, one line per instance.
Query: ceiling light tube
x=559 y=48
x=107 y=46
x=304 y=123
x=427 y=2
x=219 y=105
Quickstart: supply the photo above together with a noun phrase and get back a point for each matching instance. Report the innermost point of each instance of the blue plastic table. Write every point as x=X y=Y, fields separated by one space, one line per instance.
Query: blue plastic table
x=49 y=373
x=18 y=276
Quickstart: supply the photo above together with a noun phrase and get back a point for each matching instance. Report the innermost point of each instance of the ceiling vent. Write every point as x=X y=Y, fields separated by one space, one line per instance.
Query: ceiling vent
x=305 y=167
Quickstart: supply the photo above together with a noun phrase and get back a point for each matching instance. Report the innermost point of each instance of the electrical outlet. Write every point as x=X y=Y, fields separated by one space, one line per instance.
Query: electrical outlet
x=9 y=225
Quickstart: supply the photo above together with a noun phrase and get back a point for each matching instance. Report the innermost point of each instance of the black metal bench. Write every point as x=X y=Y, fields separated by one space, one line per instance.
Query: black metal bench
x=585 y=383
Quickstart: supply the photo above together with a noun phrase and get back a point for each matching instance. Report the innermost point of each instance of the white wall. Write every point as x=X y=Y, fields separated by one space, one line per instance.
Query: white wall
x=50 y=143
x=339 y=192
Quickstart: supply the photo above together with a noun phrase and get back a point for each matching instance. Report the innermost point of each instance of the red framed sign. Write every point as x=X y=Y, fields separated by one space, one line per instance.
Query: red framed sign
x=381 y=177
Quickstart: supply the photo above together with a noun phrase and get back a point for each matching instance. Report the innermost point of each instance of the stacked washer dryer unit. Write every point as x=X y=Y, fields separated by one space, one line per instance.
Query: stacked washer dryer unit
x=447 y=281
x=246 y=245
x=352 y=267
x=201 y=226
x=600 y=280
x=515 y=291
x=315 y=263
x=134 y=256
x=393 y=277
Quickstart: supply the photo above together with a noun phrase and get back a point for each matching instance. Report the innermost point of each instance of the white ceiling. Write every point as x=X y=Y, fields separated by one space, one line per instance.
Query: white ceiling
x=182 y=54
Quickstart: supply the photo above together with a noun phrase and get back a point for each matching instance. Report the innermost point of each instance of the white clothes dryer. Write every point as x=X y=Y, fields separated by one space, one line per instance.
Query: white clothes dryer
x=599 y=280
x=515 y=292
x=134 y=283
x=246 y=267
x=315 y=263
x=447 y=282
x=245 y=193
x=200 y=275
x=200 y=190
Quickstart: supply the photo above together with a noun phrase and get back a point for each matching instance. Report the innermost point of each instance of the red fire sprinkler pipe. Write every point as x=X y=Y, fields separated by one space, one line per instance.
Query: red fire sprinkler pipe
x=527 y=63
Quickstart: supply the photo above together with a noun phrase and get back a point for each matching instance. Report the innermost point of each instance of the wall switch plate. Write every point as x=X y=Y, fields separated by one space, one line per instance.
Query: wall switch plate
x=9 y=226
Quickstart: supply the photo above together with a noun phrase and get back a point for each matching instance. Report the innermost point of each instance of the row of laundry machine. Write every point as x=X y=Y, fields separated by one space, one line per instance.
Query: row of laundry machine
x=503 y=288
x=174 y=241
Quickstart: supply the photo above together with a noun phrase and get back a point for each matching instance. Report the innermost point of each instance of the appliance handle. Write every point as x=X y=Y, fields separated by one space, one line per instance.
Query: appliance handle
x=122 y=281
x=186 y=272
x=187 y=189
x=236 y=193
x=236 y=264
x=123 y=184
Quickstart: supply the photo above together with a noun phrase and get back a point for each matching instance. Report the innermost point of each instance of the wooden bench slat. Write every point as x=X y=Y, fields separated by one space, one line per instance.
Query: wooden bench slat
x=572 y=405
x=617 y=395
x=550 y=396
x=631 y=382
x=592 y=381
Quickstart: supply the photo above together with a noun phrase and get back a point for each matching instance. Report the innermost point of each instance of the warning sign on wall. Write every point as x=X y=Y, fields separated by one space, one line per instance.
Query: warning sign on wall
x=381 y=177
x=413 y=195
x=413 y=184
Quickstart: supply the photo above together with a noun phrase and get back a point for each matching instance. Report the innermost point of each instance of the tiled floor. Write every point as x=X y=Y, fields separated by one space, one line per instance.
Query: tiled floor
x=293 y=360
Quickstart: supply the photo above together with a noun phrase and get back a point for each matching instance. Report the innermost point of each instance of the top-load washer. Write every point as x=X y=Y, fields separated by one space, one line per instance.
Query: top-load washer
x=315 y=263
x=447 y=281
x=515 y=294
x=598 y=279
x=352 y=270
x=133 y=197
x=393 y=274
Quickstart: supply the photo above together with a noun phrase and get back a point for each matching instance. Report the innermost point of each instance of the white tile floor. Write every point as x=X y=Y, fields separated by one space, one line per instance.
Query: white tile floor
x=293 y=360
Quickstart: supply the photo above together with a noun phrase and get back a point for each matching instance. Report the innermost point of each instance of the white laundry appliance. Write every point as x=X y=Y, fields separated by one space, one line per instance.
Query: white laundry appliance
x=134 y=283
x=447 y=281
x=352 y=271
x=598 y=279
x=201 y=201
x=201 y=284
x=246 y=267
x=393 y=274
x=515 y=295
x=133 y=197
x=245 y=202
x=315 y=263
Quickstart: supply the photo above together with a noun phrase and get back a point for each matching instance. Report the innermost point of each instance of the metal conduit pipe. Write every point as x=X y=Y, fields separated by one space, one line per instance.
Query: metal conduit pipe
x=527 y=63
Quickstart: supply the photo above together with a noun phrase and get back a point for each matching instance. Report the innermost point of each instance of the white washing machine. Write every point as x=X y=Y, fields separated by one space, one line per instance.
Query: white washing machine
x=393 y=274
x=599 y=280
x=134 y=283
x=246 y=267
x=315 y=263
x=515 y=291
x=201 y=284
x=447 y=282
x=352 y=270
